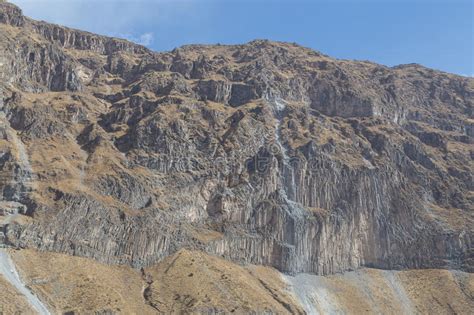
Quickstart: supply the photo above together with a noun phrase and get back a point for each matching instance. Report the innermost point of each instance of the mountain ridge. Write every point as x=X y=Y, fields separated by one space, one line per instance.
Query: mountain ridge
x=19 y=13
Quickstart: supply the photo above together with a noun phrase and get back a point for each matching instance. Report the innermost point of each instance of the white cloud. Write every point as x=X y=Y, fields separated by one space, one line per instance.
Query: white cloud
x=135 y=20
x=145 y=39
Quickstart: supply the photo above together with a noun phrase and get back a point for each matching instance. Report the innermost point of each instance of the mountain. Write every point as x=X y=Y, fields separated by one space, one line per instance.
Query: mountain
x=237 y=157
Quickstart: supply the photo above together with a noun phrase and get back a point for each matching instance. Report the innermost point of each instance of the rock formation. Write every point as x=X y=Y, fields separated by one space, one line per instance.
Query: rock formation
x=265 y=153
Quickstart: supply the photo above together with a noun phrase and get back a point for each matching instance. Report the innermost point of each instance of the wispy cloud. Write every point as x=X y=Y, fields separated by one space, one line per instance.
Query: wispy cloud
x=135 y=20
x=145 y=39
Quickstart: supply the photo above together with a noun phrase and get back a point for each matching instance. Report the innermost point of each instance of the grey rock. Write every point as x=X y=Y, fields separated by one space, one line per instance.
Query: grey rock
x=286 y=156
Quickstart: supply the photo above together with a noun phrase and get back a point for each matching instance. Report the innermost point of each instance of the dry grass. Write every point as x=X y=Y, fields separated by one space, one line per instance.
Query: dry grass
x=192 y=282
x=440 y=291
x=11 y=301
x=81 y=285
x=188 y=281
x=372 y=291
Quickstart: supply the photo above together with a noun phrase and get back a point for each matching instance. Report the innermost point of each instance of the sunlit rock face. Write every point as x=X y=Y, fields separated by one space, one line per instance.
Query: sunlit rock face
x=265 y=153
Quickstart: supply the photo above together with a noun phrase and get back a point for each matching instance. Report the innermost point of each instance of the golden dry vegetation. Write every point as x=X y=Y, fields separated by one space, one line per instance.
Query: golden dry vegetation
x=193 y=282
x=11 y=301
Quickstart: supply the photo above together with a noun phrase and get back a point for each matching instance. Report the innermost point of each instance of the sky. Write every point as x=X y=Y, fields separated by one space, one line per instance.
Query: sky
x=436 y=33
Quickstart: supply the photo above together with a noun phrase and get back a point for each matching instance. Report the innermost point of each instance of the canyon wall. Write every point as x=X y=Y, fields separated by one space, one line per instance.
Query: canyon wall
x=265 y=153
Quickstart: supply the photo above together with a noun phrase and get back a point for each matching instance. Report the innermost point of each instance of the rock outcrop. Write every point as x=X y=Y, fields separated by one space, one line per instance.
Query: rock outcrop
x=265 y=153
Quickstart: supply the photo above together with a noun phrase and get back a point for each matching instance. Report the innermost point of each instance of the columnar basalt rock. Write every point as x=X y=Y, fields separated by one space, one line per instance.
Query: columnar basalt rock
x=266 y=153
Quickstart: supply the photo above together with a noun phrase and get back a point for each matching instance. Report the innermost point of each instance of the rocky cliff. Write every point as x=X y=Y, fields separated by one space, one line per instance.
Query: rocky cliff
x=265 y=153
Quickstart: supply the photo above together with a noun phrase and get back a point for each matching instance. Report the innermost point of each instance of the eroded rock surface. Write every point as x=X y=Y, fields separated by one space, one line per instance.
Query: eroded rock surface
x=265 y=153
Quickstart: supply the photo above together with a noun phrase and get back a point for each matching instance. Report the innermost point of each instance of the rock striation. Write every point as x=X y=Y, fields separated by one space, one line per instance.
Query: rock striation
x=265 y=153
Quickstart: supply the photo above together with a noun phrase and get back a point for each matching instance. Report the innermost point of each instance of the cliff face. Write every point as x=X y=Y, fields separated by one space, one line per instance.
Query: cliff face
x=266 y=153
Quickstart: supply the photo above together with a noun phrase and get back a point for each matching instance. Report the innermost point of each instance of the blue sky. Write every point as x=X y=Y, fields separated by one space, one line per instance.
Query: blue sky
x=436 y=33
